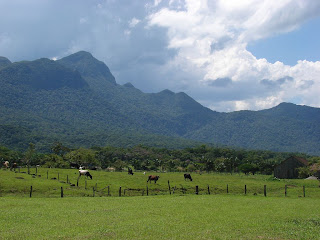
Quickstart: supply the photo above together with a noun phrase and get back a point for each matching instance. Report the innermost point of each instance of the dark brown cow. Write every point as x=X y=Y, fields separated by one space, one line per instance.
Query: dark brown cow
x=13 y=166
x=187 y=176
x=153 y=178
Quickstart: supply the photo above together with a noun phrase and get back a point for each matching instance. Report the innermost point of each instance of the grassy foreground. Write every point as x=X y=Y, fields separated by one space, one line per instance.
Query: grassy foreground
x=160 y=217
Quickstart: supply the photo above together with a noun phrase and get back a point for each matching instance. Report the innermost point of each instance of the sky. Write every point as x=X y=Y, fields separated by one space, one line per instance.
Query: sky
x=228 y=55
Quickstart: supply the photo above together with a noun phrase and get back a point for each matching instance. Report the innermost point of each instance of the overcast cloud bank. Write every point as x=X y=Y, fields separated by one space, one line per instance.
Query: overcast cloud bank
x=195 y=46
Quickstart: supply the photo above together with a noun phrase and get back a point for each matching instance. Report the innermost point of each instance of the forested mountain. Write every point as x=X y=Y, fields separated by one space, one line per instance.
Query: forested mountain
x=77 y=101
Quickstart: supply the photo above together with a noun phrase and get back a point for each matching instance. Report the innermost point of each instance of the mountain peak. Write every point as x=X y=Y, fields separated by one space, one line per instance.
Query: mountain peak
x=128 y=85
x=95 y=72
x=167 y=92
x=4 y=62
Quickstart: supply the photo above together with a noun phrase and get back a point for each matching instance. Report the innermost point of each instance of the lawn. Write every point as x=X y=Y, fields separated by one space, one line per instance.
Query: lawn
x=160 y=217
x=87 y=211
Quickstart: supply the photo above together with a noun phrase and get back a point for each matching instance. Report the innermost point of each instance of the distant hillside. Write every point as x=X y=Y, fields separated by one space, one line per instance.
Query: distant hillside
x=77 y=101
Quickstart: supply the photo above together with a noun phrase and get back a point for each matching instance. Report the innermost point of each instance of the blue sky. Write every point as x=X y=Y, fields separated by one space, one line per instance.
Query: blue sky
x=228 y=55
x=300 y=44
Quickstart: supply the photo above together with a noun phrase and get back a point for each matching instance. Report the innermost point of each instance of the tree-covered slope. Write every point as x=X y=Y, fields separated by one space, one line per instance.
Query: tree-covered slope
x=286 y=127
x=77 y=101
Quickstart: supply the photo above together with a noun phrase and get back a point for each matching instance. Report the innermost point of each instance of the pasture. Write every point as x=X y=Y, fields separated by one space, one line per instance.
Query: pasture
x=48 y=182
x=86 y=214
x=160 y=217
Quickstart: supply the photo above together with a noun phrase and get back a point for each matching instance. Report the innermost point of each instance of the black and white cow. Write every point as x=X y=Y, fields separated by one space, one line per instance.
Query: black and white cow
x=84 y=173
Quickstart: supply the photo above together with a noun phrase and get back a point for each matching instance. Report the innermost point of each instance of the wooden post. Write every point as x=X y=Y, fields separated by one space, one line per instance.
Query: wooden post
x=78 y=181
x=304 y=191
x=120 y=191
x=108 y=190
x=30 y=191
x=169 y=187
x=227 y=188
x=208 y=190
x=265 y=190
x=245 y=189
x=147 y=191
x=47 y=174
x=62 y=192
x=285 y=190
x=197 y=189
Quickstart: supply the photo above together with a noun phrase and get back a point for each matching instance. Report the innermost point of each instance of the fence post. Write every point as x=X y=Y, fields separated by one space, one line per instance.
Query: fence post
x=108 y=190
x=265 y=190
x=169 y=187
x=30 y=191
x=147 y=191
x=245 y=189
x=208 y=190
x=227 y=188
x=62 y=192
x=197 y=189
x=285 y=190
x=93 y=191
x=120 y=191
x=78 y=181
x=304 y=191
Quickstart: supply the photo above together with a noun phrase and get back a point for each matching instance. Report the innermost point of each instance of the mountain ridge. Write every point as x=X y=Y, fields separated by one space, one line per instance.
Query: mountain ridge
x=76 y=100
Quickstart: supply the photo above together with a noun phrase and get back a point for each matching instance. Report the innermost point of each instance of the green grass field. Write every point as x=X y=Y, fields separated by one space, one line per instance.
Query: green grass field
x=182 y=215
x=18 y=184
x=160 y=217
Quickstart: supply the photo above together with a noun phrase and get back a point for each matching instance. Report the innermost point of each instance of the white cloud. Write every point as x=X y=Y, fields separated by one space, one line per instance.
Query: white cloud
x=133 y=22
x=213 y=37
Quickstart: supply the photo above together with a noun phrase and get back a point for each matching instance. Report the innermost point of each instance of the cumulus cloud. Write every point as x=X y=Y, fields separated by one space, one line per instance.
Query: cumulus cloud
x=212 y=36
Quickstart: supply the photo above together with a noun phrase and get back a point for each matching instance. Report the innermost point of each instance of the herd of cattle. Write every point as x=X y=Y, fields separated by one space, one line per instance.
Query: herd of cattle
x=83 y=172
x=7 y=165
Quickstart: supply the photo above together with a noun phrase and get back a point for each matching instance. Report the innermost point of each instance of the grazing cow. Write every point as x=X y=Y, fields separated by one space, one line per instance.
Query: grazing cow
x=85 y=173
x=6 y=164
x=153 y=178
x=130 y=171
x=13 y=166
x=187 y=176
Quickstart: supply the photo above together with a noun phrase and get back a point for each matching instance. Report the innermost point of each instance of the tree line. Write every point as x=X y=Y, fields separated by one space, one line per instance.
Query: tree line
x=201 y=158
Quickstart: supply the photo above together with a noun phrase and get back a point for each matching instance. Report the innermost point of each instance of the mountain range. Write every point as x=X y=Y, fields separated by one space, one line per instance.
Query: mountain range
x=77 y=101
